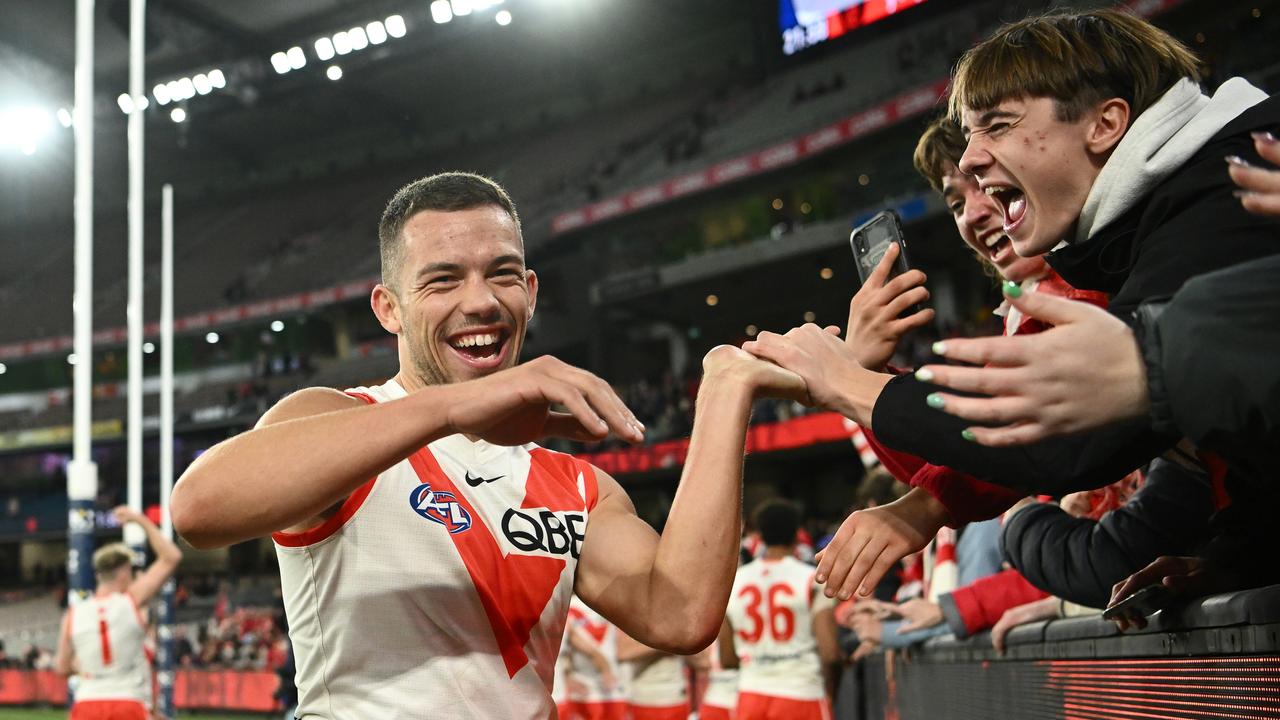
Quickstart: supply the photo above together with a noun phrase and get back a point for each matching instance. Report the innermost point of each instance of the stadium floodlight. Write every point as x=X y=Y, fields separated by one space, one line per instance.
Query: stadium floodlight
x=334 y=73
x=72 y=359
x=125 y=101
x=212 y=338
x=297 y=58
x=178 y=115
x=24 y=128
x=461 y=7
x=148 y=347
x=203 y=86
x=324 y=49
x=357 y=38
x=187 y=88
x=280 y=62
x=341 y=43
x=161 y=93
x=376 y=31
x=277 y=326
x=217 y=79
x=395 y=26
x=64 y=117
x=502 y=17
x=3 y=368
x=441 y=12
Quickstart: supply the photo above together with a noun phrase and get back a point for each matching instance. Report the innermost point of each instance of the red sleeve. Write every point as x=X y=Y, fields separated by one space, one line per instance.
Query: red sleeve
x=966 y=498
x=902 y=466
x=983 y=601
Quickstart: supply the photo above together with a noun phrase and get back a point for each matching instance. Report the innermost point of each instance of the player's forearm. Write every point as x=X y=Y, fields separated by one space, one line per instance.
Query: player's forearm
x=277 y=476
x=698 y=554
x=164 y=548
x=858 y=393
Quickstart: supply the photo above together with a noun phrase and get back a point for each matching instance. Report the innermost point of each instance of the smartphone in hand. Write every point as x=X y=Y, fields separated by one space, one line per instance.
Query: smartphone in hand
x=1143 y=603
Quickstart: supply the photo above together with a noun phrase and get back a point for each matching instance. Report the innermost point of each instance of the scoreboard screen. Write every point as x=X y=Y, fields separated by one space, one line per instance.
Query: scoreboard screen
x=806 y=23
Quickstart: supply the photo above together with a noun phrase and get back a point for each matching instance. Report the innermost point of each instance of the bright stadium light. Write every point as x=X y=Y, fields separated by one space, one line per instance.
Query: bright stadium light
x=395 y=26
x=324 y=49
x=64 y=117
x=277 y=325
x=203 y=86
x=461 y=7
x=376 y=31
x=24 y=128
x=125 y=101
x=280 y=62
x=217 y=79
x=212 y=338
x=441 y=12
x=334 y=73
x=178 y=115
x=148 y=347
x=187 y=89
x=341 y=43
x=297 y=58
x=358 y=39
x=161 y=93
x=502 y=17
x=3 y=368
x=72 y=359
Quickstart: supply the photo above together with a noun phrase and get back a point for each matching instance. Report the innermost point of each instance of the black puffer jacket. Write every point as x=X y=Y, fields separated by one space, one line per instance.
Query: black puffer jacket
x=1080 y=559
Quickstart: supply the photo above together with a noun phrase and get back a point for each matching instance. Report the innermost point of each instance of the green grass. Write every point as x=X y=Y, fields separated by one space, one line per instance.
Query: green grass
x=46 y=714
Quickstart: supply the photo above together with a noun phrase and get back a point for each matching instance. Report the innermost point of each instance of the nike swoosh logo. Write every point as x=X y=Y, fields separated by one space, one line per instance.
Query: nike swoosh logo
x=478 y=481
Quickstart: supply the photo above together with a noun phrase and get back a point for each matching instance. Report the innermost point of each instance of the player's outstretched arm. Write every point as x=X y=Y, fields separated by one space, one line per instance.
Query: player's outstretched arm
x=670 y=592
x=148 y=584
x=315 y=447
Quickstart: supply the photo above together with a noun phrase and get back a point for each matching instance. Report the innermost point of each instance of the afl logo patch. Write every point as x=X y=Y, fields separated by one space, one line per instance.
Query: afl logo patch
x=440 y=507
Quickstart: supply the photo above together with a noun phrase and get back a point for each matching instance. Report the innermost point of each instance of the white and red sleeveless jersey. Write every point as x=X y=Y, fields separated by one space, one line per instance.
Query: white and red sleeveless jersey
x=440 y=588
x=771 y=610
x=661 y=682
x=722 y=683
x=587 y=682
x=110 y=640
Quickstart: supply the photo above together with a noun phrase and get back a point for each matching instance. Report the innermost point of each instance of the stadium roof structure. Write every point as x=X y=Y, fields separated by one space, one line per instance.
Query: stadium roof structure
x=436 y=85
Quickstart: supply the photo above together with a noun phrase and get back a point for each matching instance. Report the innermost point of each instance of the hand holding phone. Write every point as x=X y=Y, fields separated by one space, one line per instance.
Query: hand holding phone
x=1141 y=604
x=870 y=240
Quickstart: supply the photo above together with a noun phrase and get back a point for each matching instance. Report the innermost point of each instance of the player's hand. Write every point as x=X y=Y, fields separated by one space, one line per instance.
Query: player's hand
x=1077 y=504
x=1083 y=373
x=824 y=361
x=1259 y=186
x=874 y=326
x=764 y=379
x=125 y=514
x=513 y=407
x=918 y=614
x=870 y=542
x=1042 y=609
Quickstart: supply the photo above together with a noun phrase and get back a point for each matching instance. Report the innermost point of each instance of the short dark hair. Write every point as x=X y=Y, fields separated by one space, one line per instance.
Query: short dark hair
x=1078 y=59
x=777 y=520
x=941 y=145
x=445 y=192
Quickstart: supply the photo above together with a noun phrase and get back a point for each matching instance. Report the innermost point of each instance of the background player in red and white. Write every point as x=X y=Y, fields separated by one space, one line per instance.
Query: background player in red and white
x=597 y=686
x=658 y=682
x=428 y=549
x=720 y=699
x=103 y=638
x=779 y=628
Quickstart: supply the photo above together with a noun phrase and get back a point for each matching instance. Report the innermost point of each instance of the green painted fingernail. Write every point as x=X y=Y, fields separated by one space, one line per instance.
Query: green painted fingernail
x=935 y=401
x=939 y=348
x=967 y=434
x=1012 y=289
x=924 y=375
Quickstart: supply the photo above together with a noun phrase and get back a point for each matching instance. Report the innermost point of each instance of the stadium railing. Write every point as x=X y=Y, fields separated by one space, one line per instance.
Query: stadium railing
x=1217 y=657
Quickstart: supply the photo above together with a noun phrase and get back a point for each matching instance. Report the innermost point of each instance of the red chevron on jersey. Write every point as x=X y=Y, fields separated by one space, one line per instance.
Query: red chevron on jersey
x=514 y=588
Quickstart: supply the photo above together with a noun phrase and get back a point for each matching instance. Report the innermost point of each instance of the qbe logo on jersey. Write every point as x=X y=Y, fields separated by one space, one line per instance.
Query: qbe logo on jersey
x=440 y=506
x=543 y=532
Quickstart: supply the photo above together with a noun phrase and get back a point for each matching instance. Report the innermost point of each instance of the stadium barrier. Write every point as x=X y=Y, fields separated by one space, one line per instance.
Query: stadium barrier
x=193 y=689
x=1218 y=657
